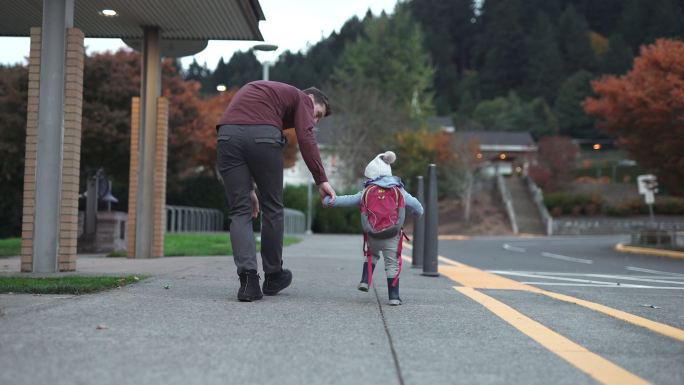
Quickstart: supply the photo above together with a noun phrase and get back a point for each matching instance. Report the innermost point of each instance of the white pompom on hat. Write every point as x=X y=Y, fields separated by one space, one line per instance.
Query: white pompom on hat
x=380 y=165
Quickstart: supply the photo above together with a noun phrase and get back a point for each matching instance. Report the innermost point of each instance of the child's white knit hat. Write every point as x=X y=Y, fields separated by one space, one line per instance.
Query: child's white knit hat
x=380 y=165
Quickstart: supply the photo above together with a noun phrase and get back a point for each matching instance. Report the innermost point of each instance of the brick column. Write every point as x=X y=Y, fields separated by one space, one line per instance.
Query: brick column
x=161 y=140
x=160 y=178
x=30 y=158
x=133 y=174
x=68 y=230
x=71 y=159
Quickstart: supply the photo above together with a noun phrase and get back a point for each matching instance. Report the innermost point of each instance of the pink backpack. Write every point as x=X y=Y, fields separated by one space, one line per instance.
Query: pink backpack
x=383 y=211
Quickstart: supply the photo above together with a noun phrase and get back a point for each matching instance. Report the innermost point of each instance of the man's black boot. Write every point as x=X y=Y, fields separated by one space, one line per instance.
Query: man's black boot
x=393 y=292
x=363 y=285
x=249 y=286
x=275 y=282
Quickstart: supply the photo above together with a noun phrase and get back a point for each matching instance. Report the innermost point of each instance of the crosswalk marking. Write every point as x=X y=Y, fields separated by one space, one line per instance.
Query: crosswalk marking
x=641 y=269
x=589 y=280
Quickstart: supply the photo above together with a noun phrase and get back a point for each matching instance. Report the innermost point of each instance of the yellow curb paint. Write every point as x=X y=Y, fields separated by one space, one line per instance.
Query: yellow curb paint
x=590 y=363
x=478 y=279
x=657 y=327
x=649 y=251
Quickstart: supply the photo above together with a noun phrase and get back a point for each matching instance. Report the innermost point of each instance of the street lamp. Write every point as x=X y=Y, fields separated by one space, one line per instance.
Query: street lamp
x=265 y=64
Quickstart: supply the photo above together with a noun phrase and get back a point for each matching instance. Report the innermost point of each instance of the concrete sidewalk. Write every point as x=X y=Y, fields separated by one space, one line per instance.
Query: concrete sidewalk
x=321 y=330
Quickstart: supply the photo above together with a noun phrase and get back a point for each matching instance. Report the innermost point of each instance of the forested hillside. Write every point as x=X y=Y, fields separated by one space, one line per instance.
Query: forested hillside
x=498 y=64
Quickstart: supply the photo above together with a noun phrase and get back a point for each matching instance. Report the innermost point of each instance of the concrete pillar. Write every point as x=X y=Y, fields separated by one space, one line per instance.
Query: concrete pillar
x=150 y=91
x=42 y=220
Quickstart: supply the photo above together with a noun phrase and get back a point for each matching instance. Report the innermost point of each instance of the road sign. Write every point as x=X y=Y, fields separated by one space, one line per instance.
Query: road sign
x=647 y=182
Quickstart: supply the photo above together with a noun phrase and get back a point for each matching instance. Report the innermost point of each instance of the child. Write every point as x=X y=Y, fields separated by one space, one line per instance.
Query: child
x=382 y=201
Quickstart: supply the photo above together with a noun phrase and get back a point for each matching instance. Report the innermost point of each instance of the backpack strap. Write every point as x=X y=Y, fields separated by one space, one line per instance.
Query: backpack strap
x=364 y=197
x=402 y=236
x=369 y=256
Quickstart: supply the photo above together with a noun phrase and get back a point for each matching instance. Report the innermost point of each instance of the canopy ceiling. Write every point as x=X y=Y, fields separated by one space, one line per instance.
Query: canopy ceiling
x=177 y=19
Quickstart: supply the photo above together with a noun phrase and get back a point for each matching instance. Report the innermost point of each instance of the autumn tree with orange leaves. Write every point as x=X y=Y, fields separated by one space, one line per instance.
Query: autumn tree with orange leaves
x=644 y=109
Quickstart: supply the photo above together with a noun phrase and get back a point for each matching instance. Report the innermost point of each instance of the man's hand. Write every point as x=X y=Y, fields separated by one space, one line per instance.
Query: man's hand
x=325 y=189
x=255 y=203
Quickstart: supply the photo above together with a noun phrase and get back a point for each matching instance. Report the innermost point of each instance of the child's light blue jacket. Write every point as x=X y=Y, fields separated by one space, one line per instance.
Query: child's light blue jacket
x=383 y=181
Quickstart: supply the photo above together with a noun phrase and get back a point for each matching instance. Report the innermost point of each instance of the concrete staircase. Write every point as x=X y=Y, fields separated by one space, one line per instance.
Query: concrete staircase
x=526 y=213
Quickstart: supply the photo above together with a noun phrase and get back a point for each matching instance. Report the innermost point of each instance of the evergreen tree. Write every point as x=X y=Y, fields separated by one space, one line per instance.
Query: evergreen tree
x=603 y=16
x=449 y=36
x=391 y=57
x=201 y=74
x=666 y=20
x=316 y=66
x=530 y=8
x=545 y=66
x=633 y=24
x=541 y=119
x=469 y=96
x=618 y=58
x=242 y=68
x=513 y=114
x=572 y=120
x=505 y=60
x=295 y=69
x=220 y=75
x=575 y=42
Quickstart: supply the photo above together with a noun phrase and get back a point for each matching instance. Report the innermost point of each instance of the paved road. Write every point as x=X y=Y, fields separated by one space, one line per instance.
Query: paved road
x=588 y=269
x=467 y=326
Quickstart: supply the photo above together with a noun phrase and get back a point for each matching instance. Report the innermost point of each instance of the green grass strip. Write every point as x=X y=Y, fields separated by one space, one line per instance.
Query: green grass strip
x=202 y=244
x=175 y=244
x=64 y=285
x=10 y=247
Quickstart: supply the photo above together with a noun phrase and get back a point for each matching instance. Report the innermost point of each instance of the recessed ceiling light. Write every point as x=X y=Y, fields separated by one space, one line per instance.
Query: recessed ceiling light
x=108 y=12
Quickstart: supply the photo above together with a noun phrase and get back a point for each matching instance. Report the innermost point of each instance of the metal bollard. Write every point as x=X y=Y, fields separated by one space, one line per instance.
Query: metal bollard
x=431 y=225
x=418 y=229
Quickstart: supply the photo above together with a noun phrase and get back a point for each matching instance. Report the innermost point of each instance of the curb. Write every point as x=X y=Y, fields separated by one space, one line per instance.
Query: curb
x=649 y=251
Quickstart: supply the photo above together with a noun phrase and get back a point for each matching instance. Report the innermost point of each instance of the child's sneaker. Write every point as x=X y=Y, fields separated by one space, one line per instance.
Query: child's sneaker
x=393 y=292
x=363 y=285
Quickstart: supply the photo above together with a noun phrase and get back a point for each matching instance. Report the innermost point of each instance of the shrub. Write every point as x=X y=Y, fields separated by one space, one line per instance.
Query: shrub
x=655 y=237
x=325 y=220
x=576 y=204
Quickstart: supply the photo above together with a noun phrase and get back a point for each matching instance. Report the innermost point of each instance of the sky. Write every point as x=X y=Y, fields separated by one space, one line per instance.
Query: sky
x=290 y=24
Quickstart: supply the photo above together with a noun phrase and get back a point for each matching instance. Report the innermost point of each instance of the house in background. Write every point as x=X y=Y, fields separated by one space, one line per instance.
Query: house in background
x=506 y=151
x=299 y=174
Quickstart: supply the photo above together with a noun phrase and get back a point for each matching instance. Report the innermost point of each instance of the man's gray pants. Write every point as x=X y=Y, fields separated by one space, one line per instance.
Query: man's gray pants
x=246 y=153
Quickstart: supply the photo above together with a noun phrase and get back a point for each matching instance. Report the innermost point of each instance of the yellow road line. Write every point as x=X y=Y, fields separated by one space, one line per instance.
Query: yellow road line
x=657 y=327
x=590 y=363
x=478 y=279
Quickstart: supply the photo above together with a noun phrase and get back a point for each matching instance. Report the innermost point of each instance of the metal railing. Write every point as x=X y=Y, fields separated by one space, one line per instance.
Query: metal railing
x=196 y=219
x=508 y=202
x=295 y=221
x=538 y=197
x=668 y=235
x=184 y=219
